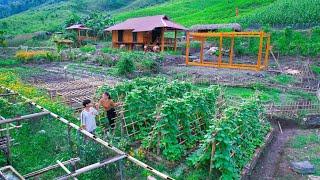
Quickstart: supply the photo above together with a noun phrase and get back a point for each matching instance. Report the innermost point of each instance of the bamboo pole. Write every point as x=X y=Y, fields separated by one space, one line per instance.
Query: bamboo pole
x=93 y=166
x=41 y=171
x=260 y=51
x=231 y=51
x=29 y=116
x=213 y=150
x=8 y=94
x=65 y=169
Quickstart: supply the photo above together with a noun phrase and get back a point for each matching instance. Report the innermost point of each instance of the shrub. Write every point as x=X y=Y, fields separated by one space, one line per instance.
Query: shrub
x=148 y=65
x=106 y=60
x=88 y=48
x=125 y=65
x=108 y=50
x=28 y=56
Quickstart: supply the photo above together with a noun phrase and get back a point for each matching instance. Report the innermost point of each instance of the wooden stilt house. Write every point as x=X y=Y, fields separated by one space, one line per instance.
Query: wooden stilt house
x=145 y=31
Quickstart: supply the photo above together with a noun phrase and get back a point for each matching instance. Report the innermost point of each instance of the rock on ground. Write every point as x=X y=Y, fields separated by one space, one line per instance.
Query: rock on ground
x=303 y=167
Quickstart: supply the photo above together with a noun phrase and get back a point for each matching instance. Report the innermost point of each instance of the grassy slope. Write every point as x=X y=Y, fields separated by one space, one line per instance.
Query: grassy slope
x=44 y=18
x=190 y=12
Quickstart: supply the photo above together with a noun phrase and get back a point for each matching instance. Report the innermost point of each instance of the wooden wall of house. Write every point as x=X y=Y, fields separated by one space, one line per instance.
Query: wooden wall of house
x=140 y=37
x=127 y=36
x=114 y=36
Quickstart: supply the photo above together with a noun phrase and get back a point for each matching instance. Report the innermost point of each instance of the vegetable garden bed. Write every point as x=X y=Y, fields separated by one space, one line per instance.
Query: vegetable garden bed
x=177 y=121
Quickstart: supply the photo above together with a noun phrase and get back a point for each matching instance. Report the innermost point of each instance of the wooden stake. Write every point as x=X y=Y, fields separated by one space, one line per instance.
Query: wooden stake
x=220 y=50
x=162 y=39
x=201 y=51
x=280 y=127
x=213 y=150
x=175 y=40
x=260 y=51
x=187 y=48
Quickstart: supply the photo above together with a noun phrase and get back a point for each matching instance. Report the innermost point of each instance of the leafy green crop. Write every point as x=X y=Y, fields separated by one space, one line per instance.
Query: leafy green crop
x=239 y=131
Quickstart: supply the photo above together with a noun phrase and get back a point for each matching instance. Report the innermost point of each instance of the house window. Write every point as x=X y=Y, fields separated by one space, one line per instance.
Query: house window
x=135 y=36
x=120 y=36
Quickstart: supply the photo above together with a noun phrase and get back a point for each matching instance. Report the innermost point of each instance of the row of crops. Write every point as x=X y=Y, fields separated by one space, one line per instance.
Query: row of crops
x=286 y=12
x=177 y=120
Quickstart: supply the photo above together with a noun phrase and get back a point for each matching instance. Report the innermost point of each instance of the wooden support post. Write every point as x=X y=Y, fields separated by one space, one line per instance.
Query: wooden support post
x=187 y=48
x=175 y=40
x=220 y=50
x=70 y=141
x=231 y=51
x=266 y=59
x=162 y=39
x=260 y=51
x=8 y=145
x=201 y=51
x=121 y=168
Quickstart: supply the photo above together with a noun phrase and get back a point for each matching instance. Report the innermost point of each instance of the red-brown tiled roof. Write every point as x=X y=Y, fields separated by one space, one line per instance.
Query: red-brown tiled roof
x=78 y=26
x=147 y=23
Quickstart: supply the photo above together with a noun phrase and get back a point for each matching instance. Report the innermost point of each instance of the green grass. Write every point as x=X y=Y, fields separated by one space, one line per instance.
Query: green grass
x=302 y=141
x=315 y=69
x=284 y=79
x=9 y=62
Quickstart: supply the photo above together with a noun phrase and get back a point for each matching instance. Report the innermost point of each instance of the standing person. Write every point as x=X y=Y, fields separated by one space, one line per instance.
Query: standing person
x=88 y=117
x=107 y=103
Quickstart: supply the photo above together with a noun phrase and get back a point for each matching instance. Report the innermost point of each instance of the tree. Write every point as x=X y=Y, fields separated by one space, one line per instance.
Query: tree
x=3 y=42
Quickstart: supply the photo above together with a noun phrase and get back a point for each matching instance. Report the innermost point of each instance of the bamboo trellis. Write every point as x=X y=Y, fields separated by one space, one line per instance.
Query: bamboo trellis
x=121 y=154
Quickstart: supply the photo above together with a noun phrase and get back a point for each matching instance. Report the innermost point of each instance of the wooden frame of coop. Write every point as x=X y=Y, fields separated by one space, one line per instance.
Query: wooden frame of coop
x=262 y=62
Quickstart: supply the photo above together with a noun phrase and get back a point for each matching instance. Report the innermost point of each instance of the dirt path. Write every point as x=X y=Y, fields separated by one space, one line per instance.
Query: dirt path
x=269 y=162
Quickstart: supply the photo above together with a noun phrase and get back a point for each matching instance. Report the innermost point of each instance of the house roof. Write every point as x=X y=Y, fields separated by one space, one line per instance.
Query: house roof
x=78 y=26
x=214 y=27
x=147 y=23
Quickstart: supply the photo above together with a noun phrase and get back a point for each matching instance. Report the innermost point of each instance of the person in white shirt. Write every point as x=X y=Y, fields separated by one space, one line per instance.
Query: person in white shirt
x=88 y=117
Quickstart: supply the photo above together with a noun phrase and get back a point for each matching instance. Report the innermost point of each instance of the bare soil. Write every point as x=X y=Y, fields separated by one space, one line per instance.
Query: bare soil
x=274 y=163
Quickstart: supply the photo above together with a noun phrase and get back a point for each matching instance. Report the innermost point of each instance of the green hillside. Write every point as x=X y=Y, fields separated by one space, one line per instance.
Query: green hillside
x=190 y=12
x=45 y=18
x=50 y=17
x=187 y=12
